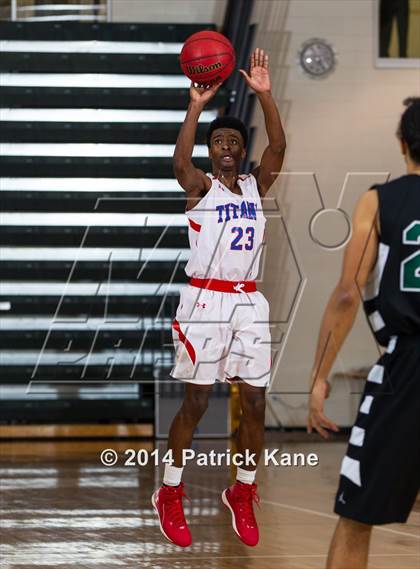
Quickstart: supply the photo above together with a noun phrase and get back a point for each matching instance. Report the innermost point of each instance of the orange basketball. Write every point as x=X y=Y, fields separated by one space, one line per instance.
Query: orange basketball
x=207 y=57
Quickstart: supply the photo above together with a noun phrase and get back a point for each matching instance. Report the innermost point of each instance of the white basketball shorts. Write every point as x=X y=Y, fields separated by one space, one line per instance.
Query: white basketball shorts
x=219 y=336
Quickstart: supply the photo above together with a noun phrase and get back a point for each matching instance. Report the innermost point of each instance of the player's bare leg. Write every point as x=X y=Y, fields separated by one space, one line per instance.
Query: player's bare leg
x=350 y=545
x=251 y=427
x=240 y=496
x=167 y=500
x=185 y=421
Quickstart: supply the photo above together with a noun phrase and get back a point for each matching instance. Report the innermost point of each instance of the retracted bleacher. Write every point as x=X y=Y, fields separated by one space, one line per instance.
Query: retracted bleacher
x=93 y=233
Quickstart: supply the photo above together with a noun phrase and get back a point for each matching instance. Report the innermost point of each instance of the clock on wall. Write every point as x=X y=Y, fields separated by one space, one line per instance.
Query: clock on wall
x=317 y=58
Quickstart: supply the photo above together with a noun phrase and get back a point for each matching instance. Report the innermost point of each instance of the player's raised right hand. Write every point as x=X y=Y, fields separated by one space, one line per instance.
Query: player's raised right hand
x=201 y=95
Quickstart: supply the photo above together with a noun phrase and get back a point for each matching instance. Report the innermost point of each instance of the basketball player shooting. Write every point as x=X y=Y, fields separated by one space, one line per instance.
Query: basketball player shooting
x=221 y=328
x=380 y=474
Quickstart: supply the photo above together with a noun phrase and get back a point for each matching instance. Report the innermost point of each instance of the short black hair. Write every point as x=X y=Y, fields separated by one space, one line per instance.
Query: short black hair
x=409 y=127
x=227 y=122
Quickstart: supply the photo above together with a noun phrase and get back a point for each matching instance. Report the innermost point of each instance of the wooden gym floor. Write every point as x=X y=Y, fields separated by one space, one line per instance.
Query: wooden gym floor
x=61 y=508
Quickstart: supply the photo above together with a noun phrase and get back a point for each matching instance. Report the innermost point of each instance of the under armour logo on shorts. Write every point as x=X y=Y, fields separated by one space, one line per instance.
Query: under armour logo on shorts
x=200 y=304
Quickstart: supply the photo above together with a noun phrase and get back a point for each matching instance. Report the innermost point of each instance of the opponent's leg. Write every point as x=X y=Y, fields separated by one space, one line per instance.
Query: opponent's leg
x=167 y=500
x=240 y=496
x=350 y=545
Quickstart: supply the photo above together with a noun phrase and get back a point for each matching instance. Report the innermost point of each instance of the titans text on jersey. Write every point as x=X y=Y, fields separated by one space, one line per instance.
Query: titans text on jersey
x=230 y=211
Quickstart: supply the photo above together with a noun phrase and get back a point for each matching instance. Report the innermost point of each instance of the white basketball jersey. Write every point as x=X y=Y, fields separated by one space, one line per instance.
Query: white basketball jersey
x=226 y=232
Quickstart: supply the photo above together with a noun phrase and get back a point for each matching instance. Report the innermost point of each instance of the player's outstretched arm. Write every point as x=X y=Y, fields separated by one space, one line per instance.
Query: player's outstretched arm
x=273 y=156
x=192 y=179
x=340 y=313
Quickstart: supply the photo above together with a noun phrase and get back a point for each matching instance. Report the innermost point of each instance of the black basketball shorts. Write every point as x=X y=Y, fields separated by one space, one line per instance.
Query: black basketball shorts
x=380 y=474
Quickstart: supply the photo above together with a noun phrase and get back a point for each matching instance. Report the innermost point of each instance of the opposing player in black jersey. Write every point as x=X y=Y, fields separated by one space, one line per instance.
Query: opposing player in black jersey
x=380 y=474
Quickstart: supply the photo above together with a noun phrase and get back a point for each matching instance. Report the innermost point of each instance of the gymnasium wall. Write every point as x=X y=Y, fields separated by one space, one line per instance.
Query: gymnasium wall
x=343 y=124
x=174 y=11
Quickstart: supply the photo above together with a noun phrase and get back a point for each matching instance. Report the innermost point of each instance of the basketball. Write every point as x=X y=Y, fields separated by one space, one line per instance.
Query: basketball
x=207 y=58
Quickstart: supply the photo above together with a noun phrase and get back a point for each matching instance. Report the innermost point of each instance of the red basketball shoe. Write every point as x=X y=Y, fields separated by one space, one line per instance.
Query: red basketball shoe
x=239 y=499
x=167 y=501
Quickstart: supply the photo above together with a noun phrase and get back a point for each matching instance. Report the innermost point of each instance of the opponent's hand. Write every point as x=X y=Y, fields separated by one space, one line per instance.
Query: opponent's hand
x=259 y=77
x=316 y=418
x=202 y=95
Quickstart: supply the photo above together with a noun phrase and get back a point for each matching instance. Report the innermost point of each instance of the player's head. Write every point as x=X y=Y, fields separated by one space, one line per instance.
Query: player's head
x=227 y=138
x=409 y=129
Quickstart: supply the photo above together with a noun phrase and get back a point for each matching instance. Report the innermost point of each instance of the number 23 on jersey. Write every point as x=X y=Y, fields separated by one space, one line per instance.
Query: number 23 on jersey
x=241 y=242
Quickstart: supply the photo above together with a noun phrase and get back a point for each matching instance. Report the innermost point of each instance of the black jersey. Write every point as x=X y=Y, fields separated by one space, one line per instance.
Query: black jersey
x=392 y=294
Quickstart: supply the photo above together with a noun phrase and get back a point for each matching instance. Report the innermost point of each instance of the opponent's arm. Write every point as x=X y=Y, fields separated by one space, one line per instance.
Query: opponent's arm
x=192 y=179
x=273 y=156
x=340 y=313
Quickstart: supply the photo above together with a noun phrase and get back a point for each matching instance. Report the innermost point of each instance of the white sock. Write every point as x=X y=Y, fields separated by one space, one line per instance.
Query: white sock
x=245 y=476
x=172 y=475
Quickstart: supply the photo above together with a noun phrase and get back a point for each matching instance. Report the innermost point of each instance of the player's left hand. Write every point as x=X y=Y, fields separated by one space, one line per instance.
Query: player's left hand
x=259 y=77
x=316 y=418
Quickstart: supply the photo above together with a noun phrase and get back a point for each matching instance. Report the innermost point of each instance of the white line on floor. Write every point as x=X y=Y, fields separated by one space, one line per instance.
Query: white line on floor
x=282 y=555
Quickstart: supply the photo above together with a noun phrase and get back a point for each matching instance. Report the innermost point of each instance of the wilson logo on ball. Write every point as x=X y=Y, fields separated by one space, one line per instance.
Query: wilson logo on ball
x=193 y=69
x=207 y=57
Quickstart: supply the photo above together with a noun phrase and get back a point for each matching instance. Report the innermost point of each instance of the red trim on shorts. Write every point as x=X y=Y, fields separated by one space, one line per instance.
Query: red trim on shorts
x=194 y=225
x=224 y=286
x=184 y=340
